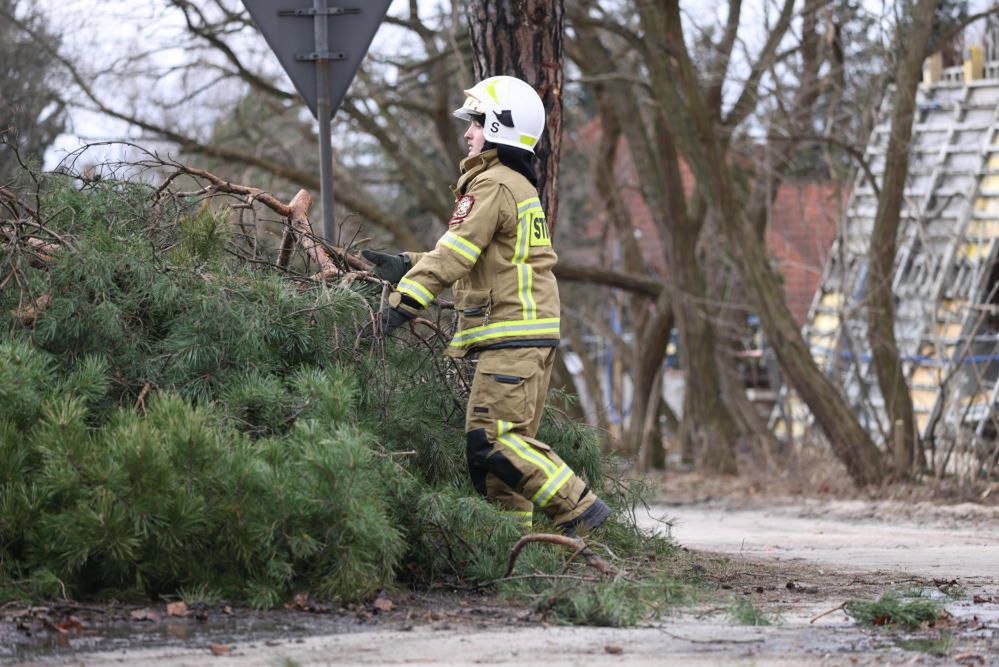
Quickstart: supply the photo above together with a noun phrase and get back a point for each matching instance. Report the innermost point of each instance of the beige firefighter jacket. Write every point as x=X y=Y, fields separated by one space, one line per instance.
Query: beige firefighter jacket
x=497 y=254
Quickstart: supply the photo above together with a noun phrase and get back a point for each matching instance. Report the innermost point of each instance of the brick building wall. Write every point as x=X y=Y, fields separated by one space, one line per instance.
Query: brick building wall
x=802 y=228
x=803 y=224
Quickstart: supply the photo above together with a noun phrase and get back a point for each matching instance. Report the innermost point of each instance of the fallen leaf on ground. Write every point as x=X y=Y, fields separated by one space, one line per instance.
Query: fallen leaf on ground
x=178 y=608
x=144 y=615
x=299 y=601
x=382 y=604
x=219 y=649
x=969 y=658
x=227 y=610
x=71 y=623
x=613 y=649
x=984 y=599
x=302 y=602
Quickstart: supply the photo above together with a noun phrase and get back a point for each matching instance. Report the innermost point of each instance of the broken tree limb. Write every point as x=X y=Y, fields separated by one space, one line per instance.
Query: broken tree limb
x=300 y=229
x=298 y=218
x=574 y=543
x=218 y=184
x=296 y=210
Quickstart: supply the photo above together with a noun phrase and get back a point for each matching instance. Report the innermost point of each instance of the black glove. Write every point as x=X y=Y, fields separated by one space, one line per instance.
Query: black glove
x=391 y=319
x=388 y=267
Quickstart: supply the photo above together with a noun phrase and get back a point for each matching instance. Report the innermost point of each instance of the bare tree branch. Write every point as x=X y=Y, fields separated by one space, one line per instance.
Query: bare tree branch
x=746 y=102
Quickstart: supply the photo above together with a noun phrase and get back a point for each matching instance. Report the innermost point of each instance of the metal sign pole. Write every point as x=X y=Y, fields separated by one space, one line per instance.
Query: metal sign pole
x=325 y=116
x=321 y=76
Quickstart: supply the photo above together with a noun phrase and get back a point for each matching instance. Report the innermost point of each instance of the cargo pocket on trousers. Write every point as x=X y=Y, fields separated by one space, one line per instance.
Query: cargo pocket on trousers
x=504 y=387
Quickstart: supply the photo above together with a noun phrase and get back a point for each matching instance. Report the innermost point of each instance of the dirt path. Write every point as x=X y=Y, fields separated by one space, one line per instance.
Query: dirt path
x=959 y=541
x=796 y=559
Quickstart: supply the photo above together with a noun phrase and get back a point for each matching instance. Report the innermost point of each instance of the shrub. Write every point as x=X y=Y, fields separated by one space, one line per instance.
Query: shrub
x=179 y=421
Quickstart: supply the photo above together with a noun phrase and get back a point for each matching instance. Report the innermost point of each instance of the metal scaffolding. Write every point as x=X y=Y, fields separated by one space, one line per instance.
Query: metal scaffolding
x=945 y=281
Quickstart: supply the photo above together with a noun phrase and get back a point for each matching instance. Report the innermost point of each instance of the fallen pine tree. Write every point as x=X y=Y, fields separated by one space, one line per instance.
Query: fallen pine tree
x=176 y=418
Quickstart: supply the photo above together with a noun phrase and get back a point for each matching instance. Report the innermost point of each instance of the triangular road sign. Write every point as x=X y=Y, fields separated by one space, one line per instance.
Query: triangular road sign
x=289 y=28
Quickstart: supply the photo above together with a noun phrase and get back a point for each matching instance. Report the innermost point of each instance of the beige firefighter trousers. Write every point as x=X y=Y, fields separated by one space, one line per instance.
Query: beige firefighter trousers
x=507 y=464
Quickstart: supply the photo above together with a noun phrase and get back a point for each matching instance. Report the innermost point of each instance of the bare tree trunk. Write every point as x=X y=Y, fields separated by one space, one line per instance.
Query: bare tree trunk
x=650 y=447
x=562 y=379
x=652 y=322
x=648 y=355
x=591 y=380
x=725 y=287
x=707 y=429
x=523 y=38
x=691 y=123
x=881 y=257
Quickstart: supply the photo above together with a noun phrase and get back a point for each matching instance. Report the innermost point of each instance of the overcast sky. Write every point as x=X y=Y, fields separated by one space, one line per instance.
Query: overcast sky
x=101 y=32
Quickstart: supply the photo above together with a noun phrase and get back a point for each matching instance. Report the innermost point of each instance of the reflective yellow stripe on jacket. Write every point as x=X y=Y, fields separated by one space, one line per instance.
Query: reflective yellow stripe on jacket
x=525 y=274
x=416 y=290
x=522 y=328
x=463 y=247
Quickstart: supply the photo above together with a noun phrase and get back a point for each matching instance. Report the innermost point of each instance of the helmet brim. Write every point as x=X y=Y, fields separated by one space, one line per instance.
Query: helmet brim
x=470 y=109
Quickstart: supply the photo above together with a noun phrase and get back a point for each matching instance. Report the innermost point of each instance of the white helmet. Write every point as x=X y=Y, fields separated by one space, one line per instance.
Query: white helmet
x=514 y=113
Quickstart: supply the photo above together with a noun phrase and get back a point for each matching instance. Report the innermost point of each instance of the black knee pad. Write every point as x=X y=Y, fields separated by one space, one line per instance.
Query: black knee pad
x=480 y=462
x=476 y=452
x=477 y=446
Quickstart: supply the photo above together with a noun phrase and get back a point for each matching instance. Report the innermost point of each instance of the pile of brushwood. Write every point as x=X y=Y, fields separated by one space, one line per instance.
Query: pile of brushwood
x=178 y=417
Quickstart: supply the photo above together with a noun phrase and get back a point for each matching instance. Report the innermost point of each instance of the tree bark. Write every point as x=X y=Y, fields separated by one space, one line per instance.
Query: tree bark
x=523 y=38
x=690 y=121
x=884 y=238
x=707 y=428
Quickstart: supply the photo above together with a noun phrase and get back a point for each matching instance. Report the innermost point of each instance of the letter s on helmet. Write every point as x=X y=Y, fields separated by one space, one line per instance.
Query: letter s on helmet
x=514 y=113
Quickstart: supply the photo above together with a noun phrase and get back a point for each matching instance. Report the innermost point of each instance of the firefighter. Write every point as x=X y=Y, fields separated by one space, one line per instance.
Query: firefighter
x=497 y=255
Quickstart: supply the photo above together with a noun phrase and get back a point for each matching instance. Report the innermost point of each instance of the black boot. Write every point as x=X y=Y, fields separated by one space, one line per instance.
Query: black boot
x=588 y=521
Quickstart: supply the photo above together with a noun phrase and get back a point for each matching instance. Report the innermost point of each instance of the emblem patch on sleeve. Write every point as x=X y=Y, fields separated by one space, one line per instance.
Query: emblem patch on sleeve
x=461 y=209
